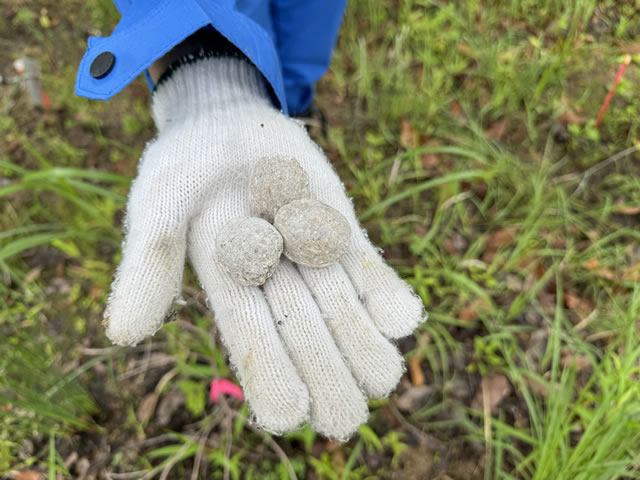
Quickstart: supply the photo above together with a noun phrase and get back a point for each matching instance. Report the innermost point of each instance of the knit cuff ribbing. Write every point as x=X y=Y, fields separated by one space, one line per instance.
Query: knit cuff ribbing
x=216 y=47
x=207 y=82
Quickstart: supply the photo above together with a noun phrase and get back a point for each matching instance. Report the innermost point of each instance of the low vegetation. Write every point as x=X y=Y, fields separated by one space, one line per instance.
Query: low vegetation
x=466 y=133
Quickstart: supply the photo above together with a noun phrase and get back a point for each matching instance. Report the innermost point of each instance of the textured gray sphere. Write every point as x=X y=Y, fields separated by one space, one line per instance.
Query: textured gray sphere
x=249 y=249
x=314 y=234
x=276 y=181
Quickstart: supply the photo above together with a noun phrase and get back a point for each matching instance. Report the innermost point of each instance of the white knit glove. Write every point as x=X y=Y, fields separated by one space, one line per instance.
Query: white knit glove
x=312 y=343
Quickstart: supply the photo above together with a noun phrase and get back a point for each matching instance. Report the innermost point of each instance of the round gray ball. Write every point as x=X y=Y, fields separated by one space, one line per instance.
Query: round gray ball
x=276 y=181
x=315 y=234
x=249 y=250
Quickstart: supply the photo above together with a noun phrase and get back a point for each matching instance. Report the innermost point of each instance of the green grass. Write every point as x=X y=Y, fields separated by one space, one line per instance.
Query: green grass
x=465 y=132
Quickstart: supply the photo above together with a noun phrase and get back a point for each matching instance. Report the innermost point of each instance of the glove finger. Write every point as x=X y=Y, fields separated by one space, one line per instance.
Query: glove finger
x=393 y=306
x=391 y=302
x=374 y=361
x=338 y=406
x=149 y=276
x=277 y=397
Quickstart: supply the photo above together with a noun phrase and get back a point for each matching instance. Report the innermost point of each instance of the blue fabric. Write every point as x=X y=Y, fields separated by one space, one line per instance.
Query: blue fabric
x=289 y=41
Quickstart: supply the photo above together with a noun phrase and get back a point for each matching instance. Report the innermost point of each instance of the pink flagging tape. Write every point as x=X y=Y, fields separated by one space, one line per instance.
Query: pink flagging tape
x=224 y=386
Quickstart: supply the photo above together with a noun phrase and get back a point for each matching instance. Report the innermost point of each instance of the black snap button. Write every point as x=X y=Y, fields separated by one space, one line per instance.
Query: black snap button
x=102 y=65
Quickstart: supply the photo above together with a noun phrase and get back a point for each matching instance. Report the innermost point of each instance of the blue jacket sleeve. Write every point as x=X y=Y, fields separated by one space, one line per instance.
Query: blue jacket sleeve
x=300 y=32
x=305 y=33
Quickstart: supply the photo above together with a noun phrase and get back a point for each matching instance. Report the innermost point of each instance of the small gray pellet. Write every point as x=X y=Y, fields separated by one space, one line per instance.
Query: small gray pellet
x=276 y=181
x=249 y=250
x=314 y=234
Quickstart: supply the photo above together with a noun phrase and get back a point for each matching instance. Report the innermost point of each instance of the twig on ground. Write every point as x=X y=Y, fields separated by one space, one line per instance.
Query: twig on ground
x=146 y=362
x=189 y=327
x=586 y=321
x=227 y=421
x=91 y=352
x=276 y=448
x=134 y=446
x=155 y=363
x=601 y=335
x=201 y=443
x=227 y=456
x=461 y=197
x=165 y=379
x=149 y=441
x=425 y=439
x=272 y=443
x=193 y=295
x=599 y=166
x=175 y=459
x=486 y=412
x=393 y=176
x=125 y=476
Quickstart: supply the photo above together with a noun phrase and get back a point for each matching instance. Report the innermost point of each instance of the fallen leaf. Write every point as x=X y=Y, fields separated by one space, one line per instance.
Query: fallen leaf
x=540 y=270
x=569 y=117
x=580 y=306
x=45 y=100
x=547 y=301
x=421 y=230
x=169 y=404
x=406 y=134
x=29 y=475
x=470 y=312
x=449 y=246
x=32 y=274
x=529 y=263
x=82 y=467
x=464 y=49
x=630 y=48
x=627 y=210
x=580 y=361
x=632 y=273
x=95 y=293
x=338 y=459
x=536 y=386
x=12 y=143
x=592 y=235
x=332 y=445
x=455 y=244
x=510 y=54
x=500 y=238
x=495 y=387
x=424 y=140
x=456 y=110
x=429 y=160
x=591 y=263
x=413 y=398
x=605 y=273
x=497 y=130
x=415 y=371
x=513 y=283
x=147 y=407
x=497 y=240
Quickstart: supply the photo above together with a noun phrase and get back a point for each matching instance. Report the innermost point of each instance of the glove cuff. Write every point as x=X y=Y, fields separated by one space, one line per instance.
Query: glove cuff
x=207 y=82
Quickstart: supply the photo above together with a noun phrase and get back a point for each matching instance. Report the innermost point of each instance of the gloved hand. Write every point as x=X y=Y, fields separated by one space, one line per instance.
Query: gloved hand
x=312 y=343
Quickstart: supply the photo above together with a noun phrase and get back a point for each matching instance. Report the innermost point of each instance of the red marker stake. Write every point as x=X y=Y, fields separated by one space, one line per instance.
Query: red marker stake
x=607 y=100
